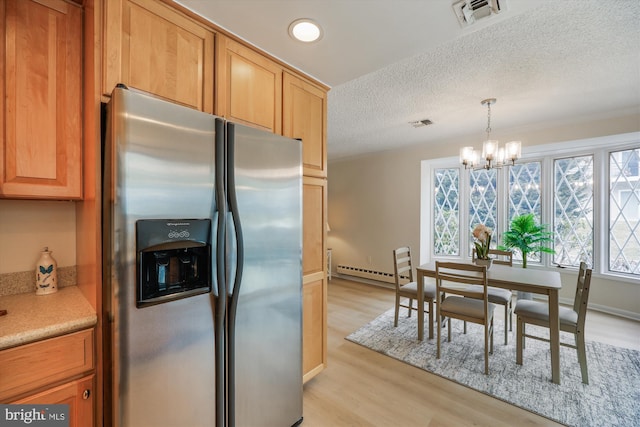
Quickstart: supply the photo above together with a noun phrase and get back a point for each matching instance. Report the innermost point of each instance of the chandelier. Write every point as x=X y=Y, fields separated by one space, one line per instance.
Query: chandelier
x=493 y=155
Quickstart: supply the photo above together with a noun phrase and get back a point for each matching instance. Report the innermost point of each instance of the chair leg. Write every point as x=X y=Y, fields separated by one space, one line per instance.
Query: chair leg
x=395 y=318
x=430 y=319
x=410 y=306
x=506 y=332
x=582 y=357
x=491 y=335
x=439 y=331
x=519 y=340
x=464 y=328
x=510 y=315
x=486 y=349
x=449 y=329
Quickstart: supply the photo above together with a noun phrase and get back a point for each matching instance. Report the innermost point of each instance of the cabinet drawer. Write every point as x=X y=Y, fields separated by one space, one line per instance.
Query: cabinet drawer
x=28 y=367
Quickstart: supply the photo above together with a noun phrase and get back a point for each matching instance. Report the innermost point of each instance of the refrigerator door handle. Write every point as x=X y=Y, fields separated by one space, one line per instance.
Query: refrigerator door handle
x=234 y=293
x=221 y=297
x=235 y=215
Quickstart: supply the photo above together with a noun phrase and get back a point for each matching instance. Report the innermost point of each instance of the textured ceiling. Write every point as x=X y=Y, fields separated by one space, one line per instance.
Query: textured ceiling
x=396 y=61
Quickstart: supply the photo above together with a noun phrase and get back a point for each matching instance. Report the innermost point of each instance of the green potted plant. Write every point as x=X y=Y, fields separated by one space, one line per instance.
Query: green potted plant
x=527 y=236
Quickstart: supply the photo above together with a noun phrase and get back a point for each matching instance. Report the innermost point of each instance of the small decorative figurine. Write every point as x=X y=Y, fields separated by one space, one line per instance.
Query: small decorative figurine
x=46 y=274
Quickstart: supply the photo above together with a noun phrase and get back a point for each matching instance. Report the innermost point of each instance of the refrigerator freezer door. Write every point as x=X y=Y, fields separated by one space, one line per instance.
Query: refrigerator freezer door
x=268 y=326
x=160 y=164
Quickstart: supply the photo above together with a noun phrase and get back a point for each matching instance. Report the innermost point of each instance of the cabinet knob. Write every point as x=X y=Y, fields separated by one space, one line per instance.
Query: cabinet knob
x=86 y=394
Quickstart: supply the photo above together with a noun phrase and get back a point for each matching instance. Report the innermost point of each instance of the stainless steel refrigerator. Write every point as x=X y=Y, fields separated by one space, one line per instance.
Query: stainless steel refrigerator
x=202 y=269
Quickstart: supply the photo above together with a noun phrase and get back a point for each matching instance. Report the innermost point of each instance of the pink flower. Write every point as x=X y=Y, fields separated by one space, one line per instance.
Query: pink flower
x=482 y=232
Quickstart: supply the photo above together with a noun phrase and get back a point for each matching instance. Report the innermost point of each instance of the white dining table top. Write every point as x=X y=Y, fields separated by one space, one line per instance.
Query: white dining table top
x=513 y=277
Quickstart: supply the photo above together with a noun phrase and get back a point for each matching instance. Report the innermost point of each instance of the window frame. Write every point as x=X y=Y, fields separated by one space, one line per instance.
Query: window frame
x=600 y=148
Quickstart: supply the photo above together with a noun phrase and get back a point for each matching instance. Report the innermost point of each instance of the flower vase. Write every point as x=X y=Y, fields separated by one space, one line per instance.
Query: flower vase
x=485 y=262
x=46 y=274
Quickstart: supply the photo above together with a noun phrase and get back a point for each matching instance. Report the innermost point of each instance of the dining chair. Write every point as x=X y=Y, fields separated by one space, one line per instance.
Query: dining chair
x=406 y=287
x=460 y=302
x=500 y=296
x=571 y=320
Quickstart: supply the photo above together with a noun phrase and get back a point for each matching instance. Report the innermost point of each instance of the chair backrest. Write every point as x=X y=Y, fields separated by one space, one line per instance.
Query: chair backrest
x=582 y=294
x=502 y=257
x=454 y=278
x=402 y=268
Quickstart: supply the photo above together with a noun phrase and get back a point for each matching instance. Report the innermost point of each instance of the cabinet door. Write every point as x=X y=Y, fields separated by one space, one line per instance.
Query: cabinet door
x=41 y=128
x=250 y=87
x=314 y=283
x=304 y=116
x=22 y=369
x=314 y=330
x=79 y=395
x=152 y=47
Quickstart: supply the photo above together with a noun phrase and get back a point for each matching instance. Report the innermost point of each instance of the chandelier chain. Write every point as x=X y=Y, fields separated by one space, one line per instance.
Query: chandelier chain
x=488 y=120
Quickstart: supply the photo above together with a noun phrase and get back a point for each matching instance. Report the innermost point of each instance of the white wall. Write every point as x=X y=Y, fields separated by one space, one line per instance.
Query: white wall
x=374 y=203
x=27 y=226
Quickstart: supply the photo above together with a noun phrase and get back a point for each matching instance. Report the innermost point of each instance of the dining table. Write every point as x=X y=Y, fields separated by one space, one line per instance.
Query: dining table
x=537 y=281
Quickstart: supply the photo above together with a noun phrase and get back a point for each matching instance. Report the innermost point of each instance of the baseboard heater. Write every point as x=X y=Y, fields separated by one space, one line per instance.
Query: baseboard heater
x=364 y=273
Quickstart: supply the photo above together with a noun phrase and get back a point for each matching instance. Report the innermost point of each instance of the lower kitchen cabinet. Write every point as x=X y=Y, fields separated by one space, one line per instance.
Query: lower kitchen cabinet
x=78 y=394
x=314 y=279
x=51 y=371
x=314 y=330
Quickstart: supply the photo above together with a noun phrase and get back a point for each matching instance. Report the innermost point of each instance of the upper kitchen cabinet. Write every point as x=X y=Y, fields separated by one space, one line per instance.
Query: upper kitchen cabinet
x=305 y=117
x=250 y=86
x=40 y=124
x=150 y=46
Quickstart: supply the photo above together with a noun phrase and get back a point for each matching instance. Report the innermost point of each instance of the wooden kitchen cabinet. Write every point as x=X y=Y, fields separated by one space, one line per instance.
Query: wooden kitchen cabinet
x=51 y=371
x=314 y=281
x=304 y=116
x=40 y=124
x=78 y=394
x=249 y=86
x=150 y=46
x=31 y=368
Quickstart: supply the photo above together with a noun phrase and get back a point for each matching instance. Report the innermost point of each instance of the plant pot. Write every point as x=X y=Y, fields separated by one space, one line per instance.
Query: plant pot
x=485 y=262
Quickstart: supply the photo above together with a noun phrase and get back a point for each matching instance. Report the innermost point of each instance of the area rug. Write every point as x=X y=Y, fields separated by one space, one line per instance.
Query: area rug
x=612 y=397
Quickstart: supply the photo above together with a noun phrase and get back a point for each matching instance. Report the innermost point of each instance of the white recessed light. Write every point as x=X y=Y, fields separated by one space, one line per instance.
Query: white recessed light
x=305 y=30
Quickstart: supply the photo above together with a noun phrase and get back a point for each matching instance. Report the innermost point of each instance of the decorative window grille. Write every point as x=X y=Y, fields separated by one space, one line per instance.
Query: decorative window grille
x=524 y=196
x=624 y=211
x=573 y=210
x=483 y=201
x=446 y=212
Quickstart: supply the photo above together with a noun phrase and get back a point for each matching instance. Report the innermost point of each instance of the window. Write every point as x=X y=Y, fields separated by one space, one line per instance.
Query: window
x=446 y=212
x=576 y=188
x=525 y=196
x=624 y=211
x=483 y=200
x=573 y=210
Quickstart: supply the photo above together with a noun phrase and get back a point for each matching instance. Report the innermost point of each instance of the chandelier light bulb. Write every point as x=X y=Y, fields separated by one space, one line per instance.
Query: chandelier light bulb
x=512 y=151
x=490 y=149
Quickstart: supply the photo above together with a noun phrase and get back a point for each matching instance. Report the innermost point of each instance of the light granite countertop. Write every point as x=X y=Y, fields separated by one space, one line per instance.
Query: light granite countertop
x=32 y=317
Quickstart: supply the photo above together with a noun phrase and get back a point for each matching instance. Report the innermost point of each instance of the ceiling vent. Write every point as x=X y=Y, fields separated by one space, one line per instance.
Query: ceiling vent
x=421 y=123
x=470 y=11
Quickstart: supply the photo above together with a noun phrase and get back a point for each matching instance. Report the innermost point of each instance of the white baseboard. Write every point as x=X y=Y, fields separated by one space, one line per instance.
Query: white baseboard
x=565 y=301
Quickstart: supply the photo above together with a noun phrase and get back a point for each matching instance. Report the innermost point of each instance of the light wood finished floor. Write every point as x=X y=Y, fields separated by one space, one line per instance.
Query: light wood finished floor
x=363 y=388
